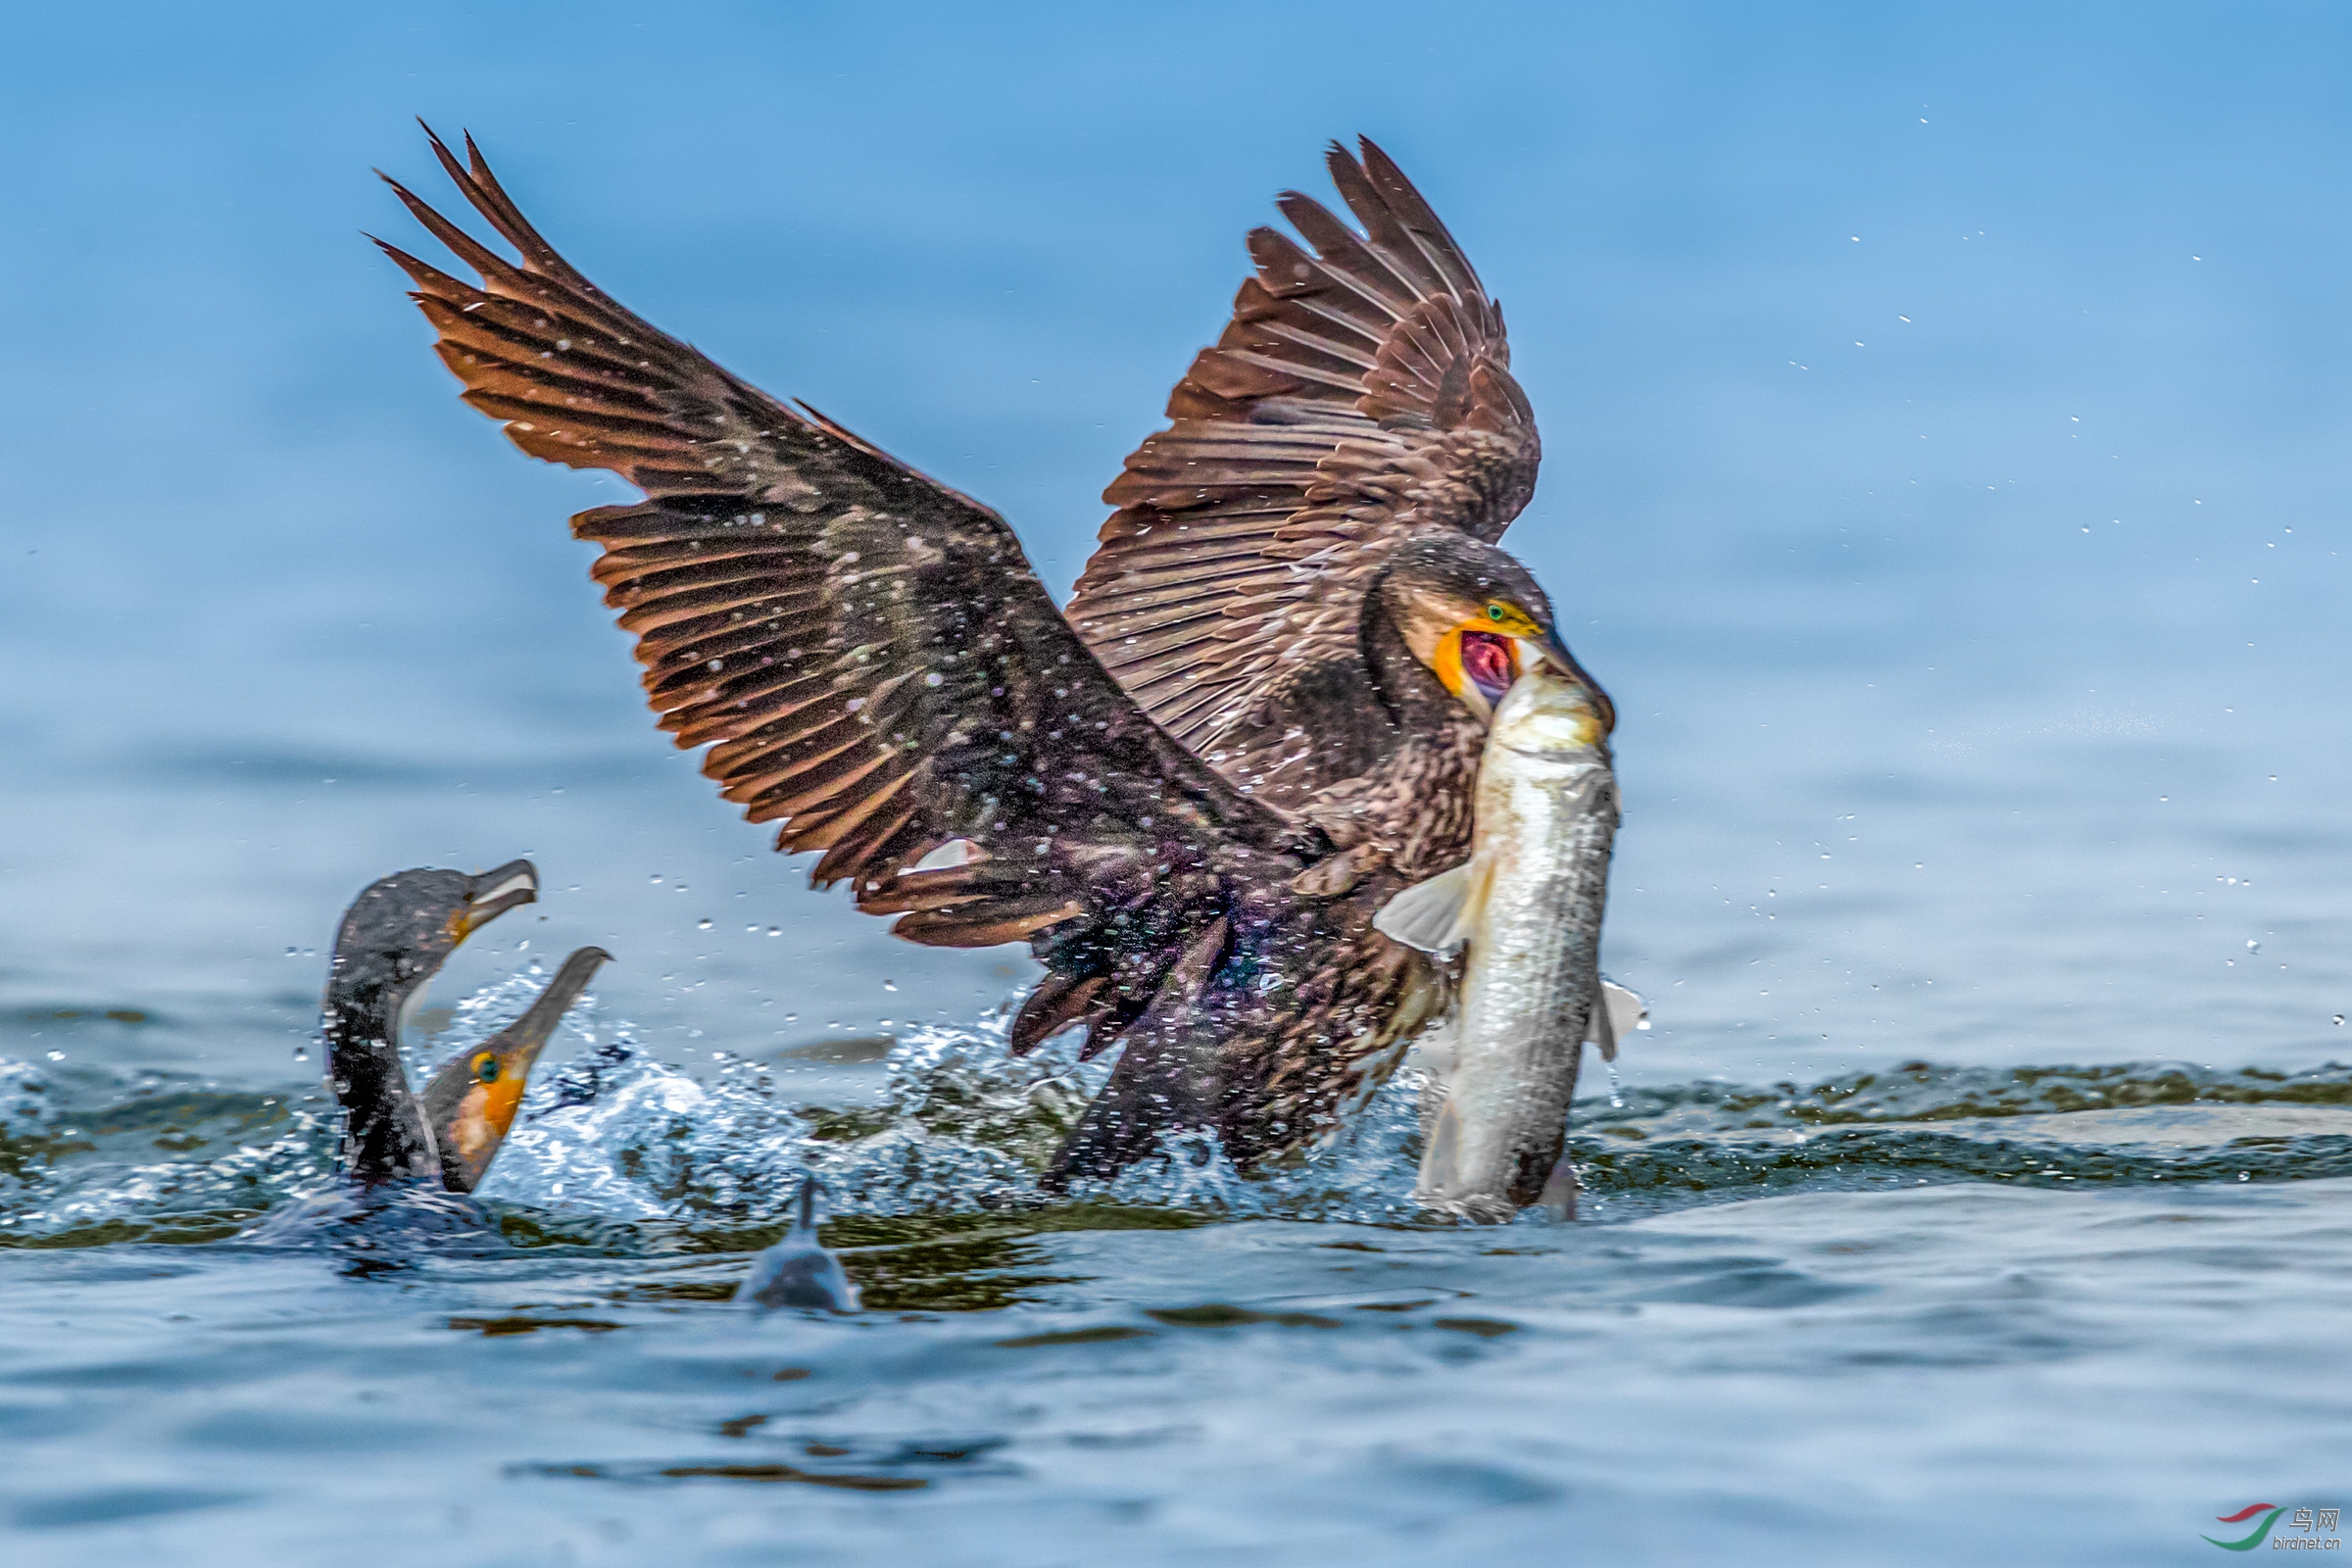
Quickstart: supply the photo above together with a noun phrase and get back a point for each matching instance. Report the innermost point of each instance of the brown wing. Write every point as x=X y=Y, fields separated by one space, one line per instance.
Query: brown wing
x=1360 y=393
x=868 y=653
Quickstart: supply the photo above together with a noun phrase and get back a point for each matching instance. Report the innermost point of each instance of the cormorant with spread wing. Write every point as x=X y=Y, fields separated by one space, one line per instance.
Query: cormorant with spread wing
x=1301 y=583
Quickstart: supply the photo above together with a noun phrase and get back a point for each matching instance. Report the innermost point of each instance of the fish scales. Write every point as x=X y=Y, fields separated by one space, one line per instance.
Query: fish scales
x=1529 y=904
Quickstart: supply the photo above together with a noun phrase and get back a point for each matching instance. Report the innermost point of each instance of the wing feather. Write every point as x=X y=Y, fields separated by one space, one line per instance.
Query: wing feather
x=866 y=653
x=1361 y=392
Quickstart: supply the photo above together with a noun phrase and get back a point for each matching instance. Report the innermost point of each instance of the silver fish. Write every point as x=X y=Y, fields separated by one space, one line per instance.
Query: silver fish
x=1529 y=904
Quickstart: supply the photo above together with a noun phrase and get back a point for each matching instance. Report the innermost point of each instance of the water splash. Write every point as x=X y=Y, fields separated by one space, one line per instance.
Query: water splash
x=614 y=1147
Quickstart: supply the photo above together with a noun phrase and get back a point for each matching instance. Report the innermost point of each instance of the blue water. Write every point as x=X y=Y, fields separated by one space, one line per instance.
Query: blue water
x=1944 y=470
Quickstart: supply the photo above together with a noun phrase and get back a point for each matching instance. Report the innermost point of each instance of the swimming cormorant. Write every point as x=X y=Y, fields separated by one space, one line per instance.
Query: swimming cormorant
x=392 y=941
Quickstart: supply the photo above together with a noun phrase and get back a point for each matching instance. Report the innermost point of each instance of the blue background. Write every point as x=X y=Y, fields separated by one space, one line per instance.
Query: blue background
x=1944 y=415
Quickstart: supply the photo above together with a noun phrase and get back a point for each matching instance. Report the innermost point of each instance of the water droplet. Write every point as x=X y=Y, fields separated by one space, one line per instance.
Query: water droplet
x=1616 y=1088
x=2339 y=1020
x=702 y=926
x=775 y=930
x=2253 y=947
x=890 y=985
x=303 y=1053
x=657 y=881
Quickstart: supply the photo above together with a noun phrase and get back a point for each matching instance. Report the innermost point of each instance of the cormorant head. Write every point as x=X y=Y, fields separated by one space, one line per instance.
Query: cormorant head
x=1476 y=618
x=472 y=1100
x=398 y=933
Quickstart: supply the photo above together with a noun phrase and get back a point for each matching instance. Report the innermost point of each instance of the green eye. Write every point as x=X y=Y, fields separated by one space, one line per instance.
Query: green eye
x=1497 y=612
x=485 y=1068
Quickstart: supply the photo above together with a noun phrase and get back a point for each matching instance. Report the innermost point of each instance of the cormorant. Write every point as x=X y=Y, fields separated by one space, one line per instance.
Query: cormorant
x=1300 y=582
x=798 y=1271
x=393 y=940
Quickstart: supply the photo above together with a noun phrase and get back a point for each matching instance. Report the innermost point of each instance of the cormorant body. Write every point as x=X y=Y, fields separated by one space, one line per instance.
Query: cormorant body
x=798 y=1271
x=1261 y=720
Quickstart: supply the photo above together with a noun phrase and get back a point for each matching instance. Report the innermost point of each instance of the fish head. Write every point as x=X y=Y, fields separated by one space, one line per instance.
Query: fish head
x=1550 y=712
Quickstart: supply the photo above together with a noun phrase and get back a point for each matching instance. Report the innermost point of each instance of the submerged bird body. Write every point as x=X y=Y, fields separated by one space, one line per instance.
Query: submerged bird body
x=1260 y=720
x=1529 y=905
x=798 y=1271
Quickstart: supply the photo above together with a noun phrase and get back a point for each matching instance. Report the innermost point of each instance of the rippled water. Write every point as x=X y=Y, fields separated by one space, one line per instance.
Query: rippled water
x=1939 y=1313
x=1945 y=473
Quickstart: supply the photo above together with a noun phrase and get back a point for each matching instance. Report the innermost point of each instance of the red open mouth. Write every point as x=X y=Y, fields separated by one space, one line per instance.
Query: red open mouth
x=1490 y=663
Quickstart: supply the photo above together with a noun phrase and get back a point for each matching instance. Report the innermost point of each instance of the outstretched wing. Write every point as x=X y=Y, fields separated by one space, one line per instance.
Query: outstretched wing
x=1361 y=392
x=868 y=653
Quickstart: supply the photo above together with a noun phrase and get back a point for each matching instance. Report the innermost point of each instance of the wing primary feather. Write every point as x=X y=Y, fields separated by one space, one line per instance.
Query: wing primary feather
x=1284 y=421
x=864 y=653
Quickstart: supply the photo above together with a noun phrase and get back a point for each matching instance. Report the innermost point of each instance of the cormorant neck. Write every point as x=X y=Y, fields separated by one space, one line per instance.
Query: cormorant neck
x=1417 y=702
x=385 y=1136
x=1416 y=803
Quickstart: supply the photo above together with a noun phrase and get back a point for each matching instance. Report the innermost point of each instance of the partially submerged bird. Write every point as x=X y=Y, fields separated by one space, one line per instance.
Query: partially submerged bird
x=798 y=1271
x=393 y=940
x=1300 y=593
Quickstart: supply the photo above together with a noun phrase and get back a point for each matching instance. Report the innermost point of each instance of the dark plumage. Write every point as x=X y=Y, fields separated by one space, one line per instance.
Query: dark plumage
x=1360 y=397
x=876 y=669
x=392 y=941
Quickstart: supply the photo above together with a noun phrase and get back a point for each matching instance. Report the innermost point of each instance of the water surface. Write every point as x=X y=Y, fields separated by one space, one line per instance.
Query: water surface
x=1944 y=415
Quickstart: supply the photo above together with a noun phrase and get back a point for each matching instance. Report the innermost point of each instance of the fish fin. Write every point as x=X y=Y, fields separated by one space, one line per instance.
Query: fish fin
x=1599 y=1028
x=1560 y=1189
x=1438 y=1158
x=1620 y=1014
x=1438 y=915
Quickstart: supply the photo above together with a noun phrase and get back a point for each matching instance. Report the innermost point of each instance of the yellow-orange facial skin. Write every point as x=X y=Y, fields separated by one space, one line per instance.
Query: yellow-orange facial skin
x=488 y=1108
x=1446 y=661
x=1498 y=619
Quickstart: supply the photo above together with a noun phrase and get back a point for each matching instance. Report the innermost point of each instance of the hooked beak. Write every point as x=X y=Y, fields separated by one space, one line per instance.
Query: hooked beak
x=472 y=1101
x=493 y=894
x=530 y=1032
x=1550 y=649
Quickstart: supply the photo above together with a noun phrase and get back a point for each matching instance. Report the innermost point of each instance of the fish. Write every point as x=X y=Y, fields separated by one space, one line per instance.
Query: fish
x=1528 y=903
x=798 y=1271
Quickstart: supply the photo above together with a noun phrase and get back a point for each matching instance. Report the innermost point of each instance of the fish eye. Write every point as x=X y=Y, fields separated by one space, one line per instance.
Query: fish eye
x=485 y=1068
